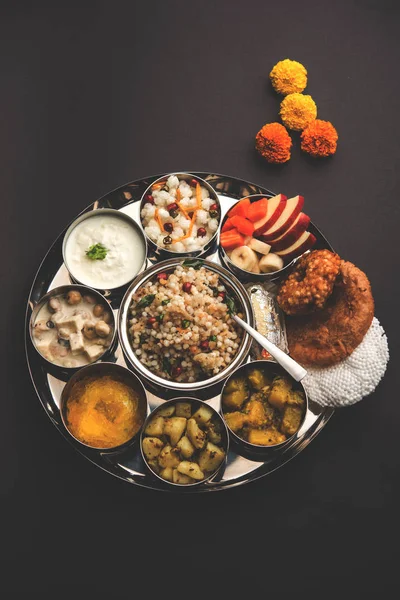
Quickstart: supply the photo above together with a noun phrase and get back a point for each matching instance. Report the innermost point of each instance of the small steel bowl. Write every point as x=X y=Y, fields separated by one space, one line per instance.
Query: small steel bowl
x=224 y=443
x=158 y=253
x=272 y=369
x=117 y=372
x=232 y=284
x=92 y=214
x=248 y=276
x=58 y=291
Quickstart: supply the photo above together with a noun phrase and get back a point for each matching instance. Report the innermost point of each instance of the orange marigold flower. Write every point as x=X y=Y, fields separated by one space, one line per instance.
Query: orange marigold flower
x=273 y=143
x=288 y=76
x=319 y=138
x=297 y=111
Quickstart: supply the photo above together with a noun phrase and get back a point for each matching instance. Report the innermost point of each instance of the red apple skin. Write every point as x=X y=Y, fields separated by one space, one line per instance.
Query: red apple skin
x=292 y=234
x=260 y=227
x=288 y=223
x=306 y=245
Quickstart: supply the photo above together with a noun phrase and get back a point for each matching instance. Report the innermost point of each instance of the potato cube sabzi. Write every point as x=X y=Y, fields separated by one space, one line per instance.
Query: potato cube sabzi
x=255 y=414
x=266 y=437
x=235 y=393
x=166 y=411
x=279 y=393
x=180 y=478
x=214 y=432
x=211 y=457
x=291 y=419
x=168 y=457
x=155 y=426
x=191 y=469
x=167 y=473
x=203 y=414
x=258 y=379
x=195 y=434
x=235 y=420
x=152 y=447
x=296 y=398
x=183 y=409
x=174 y=427
x=185 y=447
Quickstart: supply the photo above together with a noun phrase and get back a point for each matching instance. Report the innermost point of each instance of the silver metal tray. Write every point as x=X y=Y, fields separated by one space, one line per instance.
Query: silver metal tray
x=128 y=465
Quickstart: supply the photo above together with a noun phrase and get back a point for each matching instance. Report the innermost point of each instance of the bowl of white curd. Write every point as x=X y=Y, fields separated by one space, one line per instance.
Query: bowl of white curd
x=104 y=249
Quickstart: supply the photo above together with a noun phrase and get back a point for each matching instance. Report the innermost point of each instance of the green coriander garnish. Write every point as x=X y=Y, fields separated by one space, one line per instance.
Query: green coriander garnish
x=165 y=302
x=185 y=324
x=97 y=252
x=213 y=338
x=145 y=301
x=190 y=262
x=230 y=304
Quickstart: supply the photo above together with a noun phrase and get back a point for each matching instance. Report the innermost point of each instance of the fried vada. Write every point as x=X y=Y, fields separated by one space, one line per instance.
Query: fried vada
x=329 y=335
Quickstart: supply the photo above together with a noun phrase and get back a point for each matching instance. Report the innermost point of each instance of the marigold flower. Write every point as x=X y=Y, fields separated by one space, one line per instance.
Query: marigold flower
x=297 y=111
x=273 y=143
x=288 y=76
x=319 y=138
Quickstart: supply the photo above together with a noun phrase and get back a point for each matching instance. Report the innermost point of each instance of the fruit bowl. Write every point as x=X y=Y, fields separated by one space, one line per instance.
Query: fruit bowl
x=264 y=248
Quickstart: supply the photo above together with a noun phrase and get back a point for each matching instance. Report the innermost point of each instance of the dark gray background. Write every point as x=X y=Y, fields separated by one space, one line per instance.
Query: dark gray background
x=98 y=94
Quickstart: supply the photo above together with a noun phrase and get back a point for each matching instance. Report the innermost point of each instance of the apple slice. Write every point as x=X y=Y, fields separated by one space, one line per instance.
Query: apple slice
x=305 y=242
x=276 y=206
x=292 y=234
x=286 y=219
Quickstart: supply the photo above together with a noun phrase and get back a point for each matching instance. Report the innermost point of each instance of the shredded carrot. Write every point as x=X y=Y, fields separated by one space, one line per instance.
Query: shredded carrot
x=157 y=218
x=198 y=196
x=189 y=233
x=177 y=200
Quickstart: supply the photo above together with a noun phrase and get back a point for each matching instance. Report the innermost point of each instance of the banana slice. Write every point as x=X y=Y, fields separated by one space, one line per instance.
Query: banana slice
x=259 y=246
x=271 y=262
x=244 y=257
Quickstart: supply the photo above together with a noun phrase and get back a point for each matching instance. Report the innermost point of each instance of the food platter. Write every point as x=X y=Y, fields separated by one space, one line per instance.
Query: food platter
x=127 y=463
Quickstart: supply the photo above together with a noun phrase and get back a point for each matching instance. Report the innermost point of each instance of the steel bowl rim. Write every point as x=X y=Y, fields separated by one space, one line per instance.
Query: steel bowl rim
x=123 y=316
x=92 y=214
x=174 y=253
x=108 y=366
x=245 y=443
x=61 y=289
x=226 y=448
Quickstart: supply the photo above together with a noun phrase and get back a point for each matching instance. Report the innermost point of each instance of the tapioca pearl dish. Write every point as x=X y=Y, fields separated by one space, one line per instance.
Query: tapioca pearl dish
x=72 y=330
x=180 y=215
x=181 y=327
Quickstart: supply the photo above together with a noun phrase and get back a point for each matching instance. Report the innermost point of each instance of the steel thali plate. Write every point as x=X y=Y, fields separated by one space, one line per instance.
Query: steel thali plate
x=128 y=465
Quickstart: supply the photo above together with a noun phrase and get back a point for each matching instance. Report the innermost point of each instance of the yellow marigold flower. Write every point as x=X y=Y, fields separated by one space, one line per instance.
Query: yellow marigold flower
x=288 y=76
x=297 y=111
x=319 y=138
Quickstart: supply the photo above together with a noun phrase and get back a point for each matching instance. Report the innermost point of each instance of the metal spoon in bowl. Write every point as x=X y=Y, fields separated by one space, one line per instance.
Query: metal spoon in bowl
x=290 y=365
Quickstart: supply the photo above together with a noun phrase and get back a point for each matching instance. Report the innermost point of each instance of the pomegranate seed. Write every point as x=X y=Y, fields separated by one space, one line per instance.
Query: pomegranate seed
x=187 y=286
x=151 y=321
x=149 y=199
x=176 y=371
x=221 y=295
x=173 y=207
x=191 y=215
x=205 y=345
x=162 y=276
x=214 y=207
x=168 y=227
x=201 y=232
x=193 y=182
